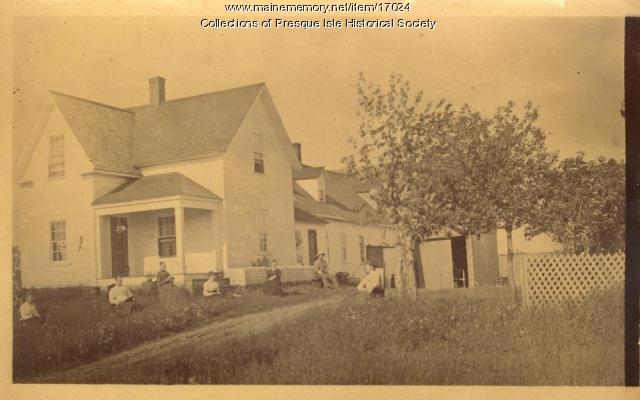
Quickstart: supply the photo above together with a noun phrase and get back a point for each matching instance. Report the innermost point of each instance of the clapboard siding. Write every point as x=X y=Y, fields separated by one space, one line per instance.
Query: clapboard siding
x=50 y=199
x=247 y=191
x=373 y=235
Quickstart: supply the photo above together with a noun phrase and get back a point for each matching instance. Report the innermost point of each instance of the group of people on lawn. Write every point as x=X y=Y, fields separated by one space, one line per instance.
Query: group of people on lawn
x=122 y=297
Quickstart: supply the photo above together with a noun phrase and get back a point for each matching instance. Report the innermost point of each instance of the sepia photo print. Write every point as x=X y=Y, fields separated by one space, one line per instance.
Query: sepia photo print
x=323 y=193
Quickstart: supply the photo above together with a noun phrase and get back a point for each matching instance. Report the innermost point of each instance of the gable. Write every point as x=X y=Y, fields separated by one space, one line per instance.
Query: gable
x=76 y=159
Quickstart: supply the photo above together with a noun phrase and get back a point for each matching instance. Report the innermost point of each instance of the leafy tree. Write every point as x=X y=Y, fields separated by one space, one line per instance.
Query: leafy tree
x=445 y=170
x=520 y=167
x=419 y=156
x=584 y=206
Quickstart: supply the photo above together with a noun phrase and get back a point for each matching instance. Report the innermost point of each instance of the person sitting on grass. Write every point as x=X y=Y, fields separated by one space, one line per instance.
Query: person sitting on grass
x=28 y=311
x=121 y=296
x=328 y=279
x=211 y=287
x=273 y=285
x=370 y=283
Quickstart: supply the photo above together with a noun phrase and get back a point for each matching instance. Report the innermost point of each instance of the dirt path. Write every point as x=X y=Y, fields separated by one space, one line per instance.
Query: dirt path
x=212 y=334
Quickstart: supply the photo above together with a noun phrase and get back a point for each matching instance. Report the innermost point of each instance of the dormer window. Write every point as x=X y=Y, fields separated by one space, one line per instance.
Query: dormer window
x=258 y=154
x=56 y=156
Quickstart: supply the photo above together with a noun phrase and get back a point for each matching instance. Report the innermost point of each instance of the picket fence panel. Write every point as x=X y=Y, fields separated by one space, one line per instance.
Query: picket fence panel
x=554 y=278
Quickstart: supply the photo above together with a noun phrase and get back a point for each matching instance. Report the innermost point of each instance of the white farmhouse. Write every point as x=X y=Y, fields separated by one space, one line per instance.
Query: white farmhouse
x=203 y=183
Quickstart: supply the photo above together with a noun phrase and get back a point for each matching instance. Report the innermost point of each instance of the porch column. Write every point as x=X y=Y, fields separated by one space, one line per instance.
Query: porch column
x=214 y=241
x=98 y=247
x=179 y=218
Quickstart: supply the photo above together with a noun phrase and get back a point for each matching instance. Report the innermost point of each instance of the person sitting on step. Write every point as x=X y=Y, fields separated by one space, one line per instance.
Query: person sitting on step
x=322 y=269
x=162 y=276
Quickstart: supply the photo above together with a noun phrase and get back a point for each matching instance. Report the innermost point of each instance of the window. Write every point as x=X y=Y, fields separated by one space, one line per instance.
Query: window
x=320 y=195
x=56 y=156
x=363 y=252
x=258 y=154
x=343 y=246
x=261 y=229
x=58 y=244
x=166 y=237
x=258 y=163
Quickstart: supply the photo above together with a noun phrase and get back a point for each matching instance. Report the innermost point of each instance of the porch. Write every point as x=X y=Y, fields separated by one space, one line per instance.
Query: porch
x=165 y=218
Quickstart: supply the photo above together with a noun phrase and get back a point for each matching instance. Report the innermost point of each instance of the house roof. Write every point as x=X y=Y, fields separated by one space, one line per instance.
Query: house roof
x=104 y=132
x=156 y=186
x=307 y=173
x=302 y=216
x=342 y=201
x=191 y=126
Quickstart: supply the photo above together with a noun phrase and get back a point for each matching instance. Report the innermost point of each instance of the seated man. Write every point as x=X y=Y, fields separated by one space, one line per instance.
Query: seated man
x=211 y=287
x=121 y=296
x=371 y=281
x=28 y=311
x=328 y=279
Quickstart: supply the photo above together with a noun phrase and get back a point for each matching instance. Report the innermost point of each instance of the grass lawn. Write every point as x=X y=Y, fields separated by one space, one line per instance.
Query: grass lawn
x=81 y=326
x=459 y=337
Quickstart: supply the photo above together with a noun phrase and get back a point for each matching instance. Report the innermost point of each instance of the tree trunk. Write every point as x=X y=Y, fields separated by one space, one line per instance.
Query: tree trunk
x=407 y=279
x=512 y=275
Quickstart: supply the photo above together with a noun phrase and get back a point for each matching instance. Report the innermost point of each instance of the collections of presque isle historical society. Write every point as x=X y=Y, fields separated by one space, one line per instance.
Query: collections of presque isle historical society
x=325 y=23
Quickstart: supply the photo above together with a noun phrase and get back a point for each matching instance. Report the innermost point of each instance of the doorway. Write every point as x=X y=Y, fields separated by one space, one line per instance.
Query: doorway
x=375 y=256
x=119 y=246
x=313 y=245
x=459 y=261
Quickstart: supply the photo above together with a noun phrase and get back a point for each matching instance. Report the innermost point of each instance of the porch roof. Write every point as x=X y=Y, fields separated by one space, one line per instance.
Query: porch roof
x=156 y=186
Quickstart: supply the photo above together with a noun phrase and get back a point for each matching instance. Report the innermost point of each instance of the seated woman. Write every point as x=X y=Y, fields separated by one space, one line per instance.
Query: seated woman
x=121 y=297
x=28 y=311
x=273 y=285
x=162 y=276
x=211 y=287
x=370 y=283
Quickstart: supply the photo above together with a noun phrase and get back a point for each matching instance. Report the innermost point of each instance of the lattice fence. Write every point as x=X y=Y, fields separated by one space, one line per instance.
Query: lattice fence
x=553 y=278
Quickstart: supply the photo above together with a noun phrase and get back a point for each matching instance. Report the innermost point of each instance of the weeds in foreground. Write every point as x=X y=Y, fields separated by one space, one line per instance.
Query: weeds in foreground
x=82 y=327
x=452 y=339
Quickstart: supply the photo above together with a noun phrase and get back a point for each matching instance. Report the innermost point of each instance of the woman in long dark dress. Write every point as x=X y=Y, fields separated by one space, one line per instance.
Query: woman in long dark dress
x=273 y=285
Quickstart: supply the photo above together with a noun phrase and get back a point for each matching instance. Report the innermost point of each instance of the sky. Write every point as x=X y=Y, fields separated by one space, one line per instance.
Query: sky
x=571 y=68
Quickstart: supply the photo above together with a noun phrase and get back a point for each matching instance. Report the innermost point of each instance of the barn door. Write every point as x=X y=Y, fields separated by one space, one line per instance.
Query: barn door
x=437 y=266
x=119 y=246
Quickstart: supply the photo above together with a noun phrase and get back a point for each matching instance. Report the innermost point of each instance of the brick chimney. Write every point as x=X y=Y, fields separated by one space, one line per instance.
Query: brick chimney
x=156 y=91
x=298 y=149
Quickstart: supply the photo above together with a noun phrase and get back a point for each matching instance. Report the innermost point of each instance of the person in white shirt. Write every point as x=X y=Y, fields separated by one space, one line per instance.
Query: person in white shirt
x=28 y=311
x=211 y=287
x=370 y=281
x=121 y=296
